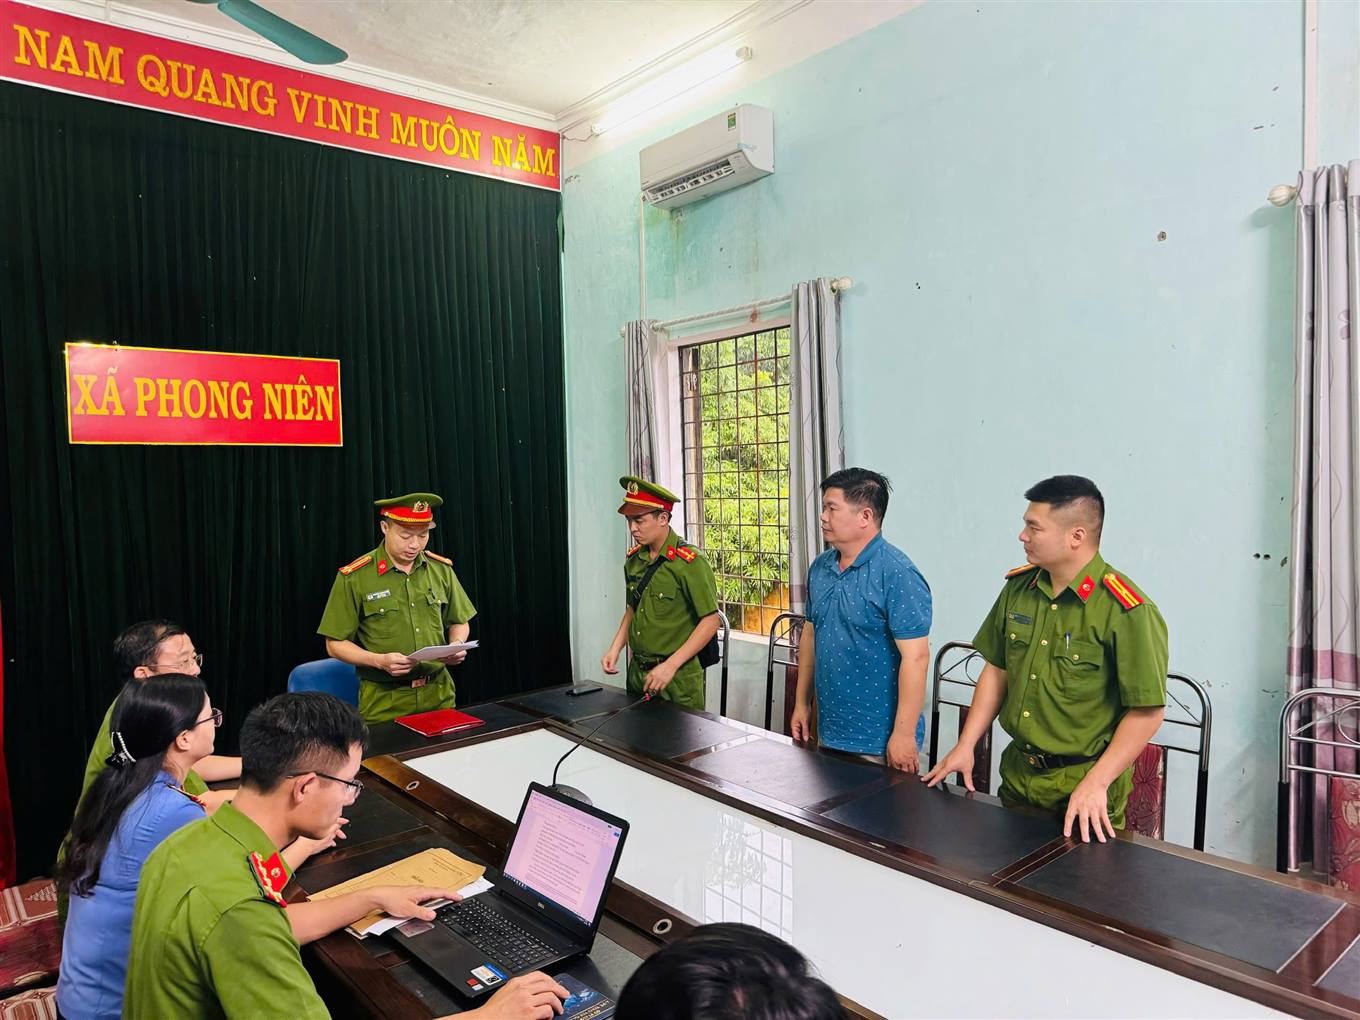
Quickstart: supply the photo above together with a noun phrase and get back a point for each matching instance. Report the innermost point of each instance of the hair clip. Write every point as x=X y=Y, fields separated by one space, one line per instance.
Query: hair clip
x=124 y=758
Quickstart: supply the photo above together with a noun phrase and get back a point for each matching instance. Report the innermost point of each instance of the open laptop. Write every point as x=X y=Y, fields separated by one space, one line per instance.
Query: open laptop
x=545 y=908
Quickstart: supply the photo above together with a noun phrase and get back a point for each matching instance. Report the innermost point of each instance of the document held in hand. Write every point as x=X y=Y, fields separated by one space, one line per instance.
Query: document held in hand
x=432 y=652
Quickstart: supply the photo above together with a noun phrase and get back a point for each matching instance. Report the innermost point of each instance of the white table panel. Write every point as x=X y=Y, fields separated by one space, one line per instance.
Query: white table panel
x=897 y=944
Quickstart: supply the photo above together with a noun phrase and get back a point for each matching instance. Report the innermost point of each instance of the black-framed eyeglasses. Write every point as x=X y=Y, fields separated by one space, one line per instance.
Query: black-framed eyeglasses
x=356 y=787
x=214 y=717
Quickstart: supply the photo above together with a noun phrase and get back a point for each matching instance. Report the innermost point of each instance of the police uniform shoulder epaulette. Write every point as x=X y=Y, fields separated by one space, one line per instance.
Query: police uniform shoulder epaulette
x=1025 y=569
x=350 y=568
x=439 y=559
x=1122 y=591
x=270 y=876
x=633 y=550
x=686 y=552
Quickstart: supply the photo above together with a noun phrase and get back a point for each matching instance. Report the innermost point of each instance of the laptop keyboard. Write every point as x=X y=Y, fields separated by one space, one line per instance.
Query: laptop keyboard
x=495 y=934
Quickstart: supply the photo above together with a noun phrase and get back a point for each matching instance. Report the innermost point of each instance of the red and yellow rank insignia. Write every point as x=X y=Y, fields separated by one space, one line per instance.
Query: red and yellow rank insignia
x=1126 y=596
x=350 y=568
x=1086 y=587
x=1021 y=570
x=686 y=554
x=271 y=877
x=439 y=559
x=633 y=550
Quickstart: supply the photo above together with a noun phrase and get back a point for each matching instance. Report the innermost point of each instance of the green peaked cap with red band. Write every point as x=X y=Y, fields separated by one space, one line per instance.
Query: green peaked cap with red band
x=413 y=508
x=641 y=496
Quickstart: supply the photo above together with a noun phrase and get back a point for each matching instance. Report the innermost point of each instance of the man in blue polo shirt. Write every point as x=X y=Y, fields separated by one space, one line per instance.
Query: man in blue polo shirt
x=866 y=642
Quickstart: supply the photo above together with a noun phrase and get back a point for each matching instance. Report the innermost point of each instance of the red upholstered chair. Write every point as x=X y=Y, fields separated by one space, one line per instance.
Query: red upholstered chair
x=30 y=938
x=1344 y=864
x=1319 y=745
x=38 y=1004
x=957 y=668
x=1146 y=812
x=1187 y=708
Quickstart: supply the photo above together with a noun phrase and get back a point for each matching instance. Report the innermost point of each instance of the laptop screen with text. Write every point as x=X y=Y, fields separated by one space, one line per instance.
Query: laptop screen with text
x=563 y=855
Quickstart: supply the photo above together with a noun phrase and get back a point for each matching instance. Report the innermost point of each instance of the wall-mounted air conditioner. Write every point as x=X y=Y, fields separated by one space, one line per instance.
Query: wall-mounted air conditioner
x=718 y=154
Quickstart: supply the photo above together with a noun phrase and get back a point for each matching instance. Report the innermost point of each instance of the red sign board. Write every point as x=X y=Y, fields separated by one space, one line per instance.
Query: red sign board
x=148 y=395
x=103 y=61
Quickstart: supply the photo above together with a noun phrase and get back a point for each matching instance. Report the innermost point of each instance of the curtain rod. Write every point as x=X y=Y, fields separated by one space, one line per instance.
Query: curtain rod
x=839 y=285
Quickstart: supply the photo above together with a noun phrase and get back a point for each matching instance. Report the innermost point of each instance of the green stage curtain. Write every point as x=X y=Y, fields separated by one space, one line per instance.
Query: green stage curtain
x=440 y=293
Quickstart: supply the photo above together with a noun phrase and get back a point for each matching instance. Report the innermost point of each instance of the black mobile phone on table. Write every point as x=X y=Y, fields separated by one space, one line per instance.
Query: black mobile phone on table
x=580 y=689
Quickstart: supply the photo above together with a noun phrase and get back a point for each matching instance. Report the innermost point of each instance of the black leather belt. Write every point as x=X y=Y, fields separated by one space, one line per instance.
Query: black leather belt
x=1042 y=761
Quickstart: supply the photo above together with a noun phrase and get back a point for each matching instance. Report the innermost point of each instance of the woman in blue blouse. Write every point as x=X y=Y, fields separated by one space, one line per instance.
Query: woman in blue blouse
x=162 y=726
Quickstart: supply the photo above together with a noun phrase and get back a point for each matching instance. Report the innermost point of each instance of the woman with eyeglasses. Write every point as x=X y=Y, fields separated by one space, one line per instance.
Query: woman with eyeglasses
x=161 y=727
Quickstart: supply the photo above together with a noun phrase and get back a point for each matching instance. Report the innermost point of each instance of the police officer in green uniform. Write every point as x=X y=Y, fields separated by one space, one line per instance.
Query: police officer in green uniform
x=154 y=648
x=1076 y=666
x=677 y=614
x=392 y=601
x=212 y=935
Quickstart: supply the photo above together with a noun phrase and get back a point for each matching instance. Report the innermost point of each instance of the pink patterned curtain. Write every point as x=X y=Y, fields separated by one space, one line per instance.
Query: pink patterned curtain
x=1323 y=593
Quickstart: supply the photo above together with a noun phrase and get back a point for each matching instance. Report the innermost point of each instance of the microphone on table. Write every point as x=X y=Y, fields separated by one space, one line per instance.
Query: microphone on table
x=571 y=791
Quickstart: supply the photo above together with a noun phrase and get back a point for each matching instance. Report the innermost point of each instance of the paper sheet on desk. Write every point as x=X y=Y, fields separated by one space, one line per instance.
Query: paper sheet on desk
x=432 y=652
x=438 y=867
x=388 y=923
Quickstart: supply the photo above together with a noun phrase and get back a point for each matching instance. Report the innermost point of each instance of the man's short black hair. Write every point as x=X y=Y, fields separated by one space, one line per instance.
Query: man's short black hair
x=862 y=487
x=304 y=731
x=137 y=645
x=728 y=972
x=1080 y=494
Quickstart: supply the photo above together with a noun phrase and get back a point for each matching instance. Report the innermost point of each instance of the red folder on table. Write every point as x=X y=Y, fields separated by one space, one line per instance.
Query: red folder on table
x=438 y=722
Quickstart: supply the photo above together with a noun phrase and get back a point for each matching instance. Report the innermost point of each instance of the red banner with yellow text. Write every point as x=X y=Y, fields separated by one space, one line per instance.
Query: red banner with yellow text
x=103 y=61
x=153 y=396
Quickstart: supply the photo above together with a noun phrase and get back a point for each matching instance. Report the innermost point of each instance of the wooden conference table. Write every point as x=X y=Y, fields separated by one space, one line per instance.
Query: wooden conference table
x=910 y=902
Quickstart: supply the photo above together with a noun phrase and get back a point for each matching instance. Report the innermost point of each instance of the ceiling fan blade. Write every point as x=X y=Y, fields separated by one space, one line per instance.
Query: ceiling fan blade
x=283 y=34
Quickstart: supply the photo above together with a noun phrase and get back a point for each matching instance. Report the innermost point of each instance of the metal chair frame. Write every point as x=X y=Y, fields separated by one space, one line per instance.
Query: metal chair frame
x=781 y=649
x=1202 y=721
x=724 y=646
x=1296 y=733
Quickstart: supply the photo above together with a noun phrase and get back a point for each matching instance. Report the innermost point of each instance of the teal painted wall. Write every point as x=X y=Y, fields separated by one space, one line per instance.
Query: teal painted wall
x=995 y=177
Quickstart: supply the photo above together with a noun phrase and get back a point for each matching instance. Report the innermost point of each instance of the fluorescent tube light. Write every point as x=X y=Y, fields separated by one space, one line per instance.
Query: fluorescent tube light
x=669 y=86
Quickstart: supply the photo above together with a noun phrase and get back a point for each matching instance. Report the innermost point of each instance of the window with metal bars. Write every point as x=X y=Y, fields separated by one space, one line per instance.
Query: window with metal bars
x=734 y=401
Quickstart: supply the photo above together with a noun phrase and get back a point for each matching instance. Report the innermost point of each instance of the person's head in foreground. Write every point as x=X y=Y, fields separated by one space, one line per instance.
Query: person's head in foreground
x=728 y=972
x=302 y=751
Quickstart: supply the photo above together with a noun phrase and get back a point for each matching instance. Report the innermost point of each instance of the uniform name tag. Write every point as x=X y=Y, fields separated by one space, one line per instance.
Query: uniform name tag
x=375 y=595
x=1019 y=618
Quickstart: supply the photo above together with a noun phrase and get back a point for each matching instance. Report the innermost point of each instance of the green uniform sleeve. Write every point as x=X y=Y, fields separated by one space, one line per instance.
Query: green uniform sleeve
x=990 y=639
x=194 y=784
x=459 y=608
x=700 y=588
x=340 y=620
x=256 y=968
x=99 y=753
x=1141 y=657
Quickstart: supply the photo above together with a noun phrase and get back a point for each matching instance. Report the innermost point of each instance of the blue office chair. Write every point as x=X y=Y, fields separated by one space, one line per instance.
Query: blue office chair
x=329 y=675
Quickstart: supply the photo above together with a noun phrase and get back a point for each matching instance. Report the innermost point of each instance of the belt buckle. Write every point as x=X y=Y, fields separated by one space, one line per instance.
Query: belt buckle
x=419 y=683
x=1033 y=760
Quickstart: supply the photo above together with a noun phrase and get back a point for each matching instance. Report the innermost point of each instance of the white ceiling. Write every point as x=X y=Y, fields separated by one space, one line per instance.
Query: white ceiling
x=546 y=56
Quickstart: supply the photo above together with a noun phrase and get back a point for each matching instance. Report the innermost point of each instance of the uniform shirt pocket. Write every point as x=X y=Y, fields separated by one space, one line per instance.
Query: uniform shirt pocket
x=1018 y=636
x=664 y=597
x=1080 y=669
